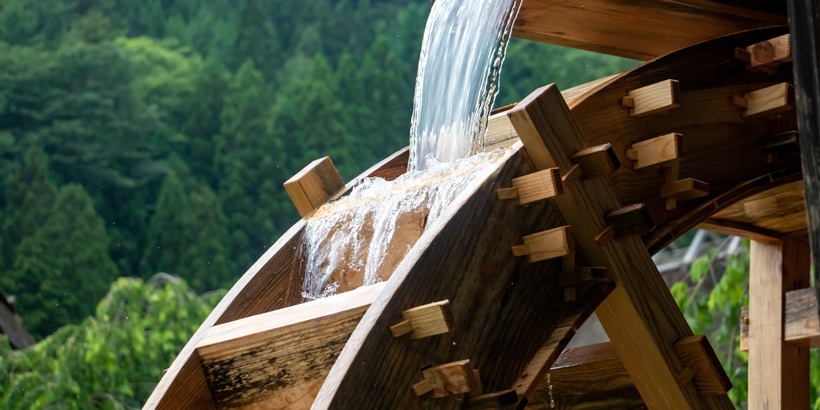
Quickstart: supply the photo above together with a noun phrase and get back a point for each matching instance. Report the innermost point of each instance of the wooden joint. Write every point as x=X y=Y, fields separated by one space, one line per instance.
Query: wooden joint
x=538 y=185
x=605 y=236
x=492 y=400
x=801 y=322
x=424 y=321
x=654 y=99
x=658 y=152
x=685 y=376
x=508 y=193
x=766 y=55
x=685 y=189
x=447 y=379
x=628 y=102
x=553 y=243
x=572 y=175
x=596 y=161
x=314 y=185
x=630 y=220
x=581 y=276
x=696 y=353
x=767 y=101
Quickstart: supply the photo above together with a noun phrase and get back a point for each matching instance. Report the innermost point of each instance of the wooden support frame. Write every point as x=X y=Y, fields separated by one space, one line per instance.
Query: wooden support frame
x=778 y=370
x=640 y=315
x=802 y=323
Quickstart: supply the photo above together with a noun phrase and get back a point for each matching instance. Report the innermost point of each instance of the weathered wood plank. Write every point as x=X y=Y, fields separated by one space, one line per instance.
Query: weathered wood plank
x=802 y=323
x=778 y=371
x=640 y=316
x=494 y=299
x=634 y=29
x=280 y=358
x=314 y=185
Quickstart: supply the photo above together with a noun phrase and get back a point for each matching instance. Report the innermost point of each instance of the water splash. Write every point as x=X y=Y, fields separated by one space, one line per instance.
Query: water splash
x=464 y=45
x=359 y=239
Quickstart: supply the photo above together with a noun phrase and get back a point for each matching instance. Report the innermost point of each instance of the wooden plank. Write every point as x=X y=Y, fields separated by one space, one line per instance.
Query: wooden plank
x=658 y=151
x=549 y=244
x=492 y=296
x=630 y=220
x=728 y=227
x=769 y=53
x=314 y=185
x=685 y=189
x=537 y=369
x=698 y=355
x=655 y=98
x=640 y=316
x=781 y=209
x=778 y=371
x=260 y=360
x=771 y=100
x=428 y=320
x=805 y=27
x=595 y=161
x=634 y=29
x=538 y=185
x=273 y=282
x=588 y=377
x=802 y=324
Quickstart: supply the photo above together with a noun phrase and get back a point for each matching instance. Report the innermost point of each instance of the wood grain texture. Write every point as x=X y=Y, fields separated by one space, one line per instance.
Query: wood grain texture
x=634 y=29
x=771 y=100
x=770 y=53
x=314 y=185
x=658 y=151
x=630 y=220
x=728 y=227
x=781 y=209
x=654 y=98
x=279 y=359
x=802 y=325
x=538 y=185
x=273 y=282
x=589 y=377
x=778 y=371
x=487 y=288
x=640 y=316
x=697 y=354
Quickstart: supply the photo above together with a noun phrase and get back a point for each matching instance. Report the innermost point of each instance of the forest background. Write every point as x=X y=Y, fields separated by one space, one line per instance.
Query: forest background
x=143 y=147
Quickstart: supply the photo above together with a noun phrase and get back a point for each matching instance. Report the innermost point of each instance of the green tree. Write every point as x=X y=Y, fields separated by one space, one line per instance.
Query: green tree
x=62 y=268
x=168 y=230
x=205 y=261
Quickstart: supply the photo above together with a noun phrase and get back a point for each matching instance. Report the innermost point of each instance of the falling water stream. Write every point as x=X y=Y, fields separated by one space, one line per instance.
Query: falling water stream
x=359 y=239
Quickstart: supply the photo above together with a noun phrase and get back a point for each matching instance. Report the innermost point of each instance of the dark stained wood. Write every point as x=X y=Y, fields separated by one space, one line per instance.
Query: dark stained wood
x=639 y=29
x=640 y=316
x=804 y=21
x=590 y=378
x=630 y=220
x=495 y=300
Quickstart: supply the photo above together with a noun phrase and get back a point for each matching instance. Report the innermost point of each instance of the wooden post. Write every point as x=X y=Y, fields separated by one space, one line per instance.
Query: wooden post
x=804 y=25
x=778 y=370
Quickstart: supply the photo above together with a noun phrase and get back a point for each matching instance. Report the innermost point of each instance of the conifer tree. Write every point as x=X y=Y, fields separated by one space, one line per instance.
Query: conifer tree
x=63 y=269
x=168 y=229
x=205 y=262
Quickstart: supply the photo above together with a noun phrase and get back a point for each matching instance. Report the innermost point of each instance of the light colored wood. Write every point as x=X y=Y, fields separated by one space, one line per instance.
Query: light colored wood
x=640 y=316
x=543 y=359
x=739 y=101
x=605 y=236
x=769 y=53
x=628 y=102
x=573 y=174
x=769 y=101
x=685 y=189
x=639 y=30
x=402 y=328
x=728 y=227
x=449 y=379
x=429 y=320
x=655 y=98
x=802 y=325
x=314 y=185
x=778 y=371
x=778 y=210
x=595 y=161
x=508 y=193
x=658 y=151
x=554 y=243
x=538 y=185
x=274 y=344
x=697 y=354
x=423 y=387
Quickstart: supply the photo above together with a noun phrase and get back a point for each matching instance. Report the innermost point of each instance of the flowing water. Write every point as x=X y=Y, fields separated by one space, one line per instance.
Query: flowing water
x=464 y=45
x=359 y=239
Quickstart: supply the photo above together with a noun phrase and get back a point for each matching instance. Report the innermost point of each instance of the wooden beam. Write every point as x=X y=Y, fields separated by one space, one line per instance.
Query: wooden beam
x=314 y=185
x=630 y=220
x=639 y=30
x=640 y=316
x=658 y=151
x=654 y=98
x=595 y=161
x=272 y=348
x=769 y=101
x=769 y=54
x=804 y=24
x=778 y=371
x=553 y=243
x=424 y=321
x=740 y=229
x=538 y=185
x=802 y=324
x=707 y=372
x=685 y=189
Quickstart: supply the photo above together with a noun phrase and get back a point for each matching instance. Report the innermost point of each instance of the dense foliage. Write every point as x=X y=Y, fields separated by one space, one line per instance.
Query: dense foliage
x=144 y=136
x=114 y=358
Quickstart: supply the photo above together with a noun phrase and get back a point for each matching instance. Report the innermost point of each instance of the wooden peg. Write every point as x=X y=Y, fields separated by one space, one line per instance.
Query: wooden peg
x=572 y=175
x=767 y=55
x=768 y=101
x=423 y=321
x=684 y=189
x=709 y=378
x=739 y=101
x=605 y=236
x=595 y=161
x=685 y=376
x=655 y=98
x=658 y=151
x=632 y=155
x=538 y=185
x=630 y=220
x=508 y=193
x=492 y=401
x=742 y=55
x=447 y=379
x=314 y=185
x=581 y=276
x=554 y=243
x=628 y=102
